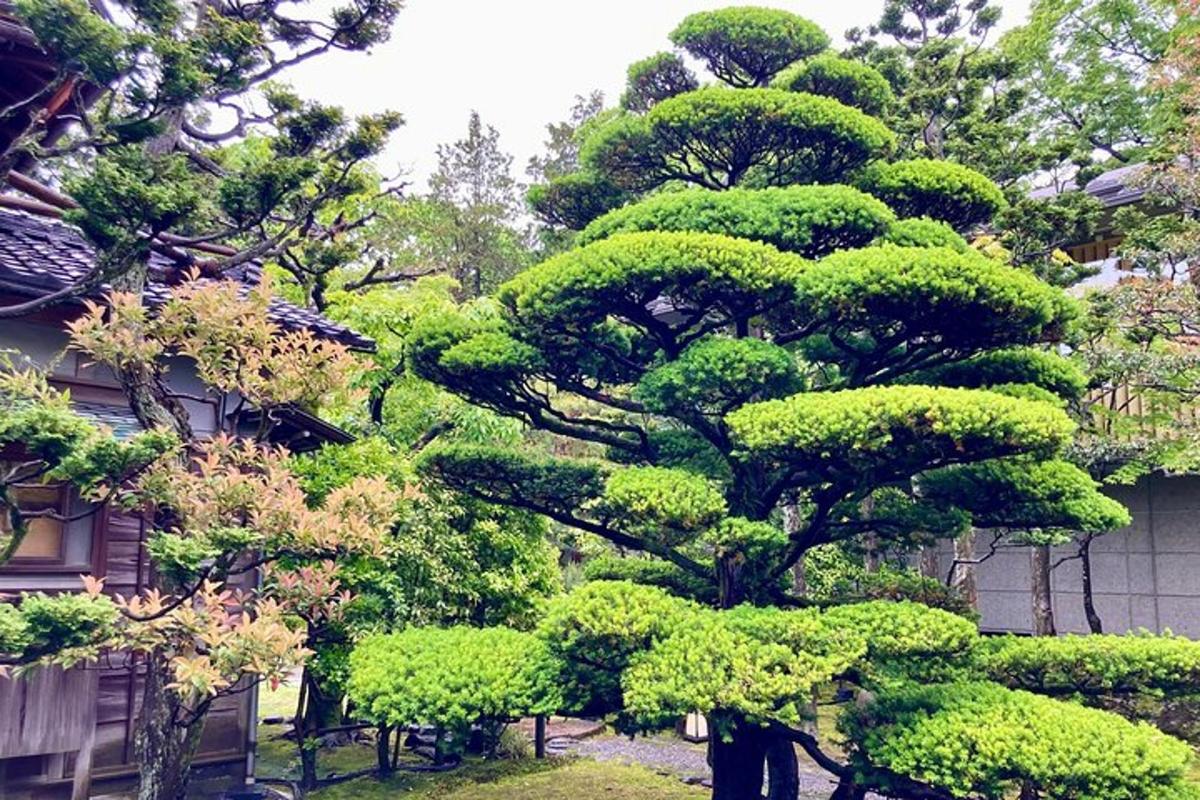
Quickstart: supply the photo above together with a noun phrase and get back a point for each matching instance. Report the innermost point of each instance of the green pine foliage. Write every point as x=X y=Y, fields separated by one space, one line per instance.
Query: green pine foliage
x=746 y=46
x=719 y=138
x=983 y=740
x=452 y=678
x=854 y=83
x=923 y=232
x=1093 y=666
x=943 y=190
x=812 y=220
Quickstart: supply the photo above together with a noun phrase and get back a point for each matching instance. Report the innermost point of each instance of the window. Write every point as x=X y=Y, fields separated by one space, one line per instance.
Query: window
x=44 y=537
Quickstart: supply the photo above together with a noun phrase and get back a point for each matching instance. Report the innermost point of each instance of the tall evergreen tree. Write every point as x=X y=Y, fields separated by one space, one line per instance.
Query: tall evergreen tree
x=474 y=183
x=767 y=338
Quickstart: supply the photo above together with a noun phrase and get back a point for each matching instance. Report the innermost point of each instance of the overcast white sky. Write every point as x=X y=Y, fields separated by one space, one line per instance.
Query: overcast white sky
x=519 y=63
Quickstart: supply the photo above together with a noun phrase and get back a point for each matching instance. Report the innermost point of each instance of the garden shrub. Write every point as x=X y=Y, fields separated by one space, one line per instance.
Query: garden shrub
x=809 y=220
x=599 y=628
x=907 y=639
x=1093 y=665
x=944 y=190
x=748 y=663
x=923 y=232
x=651 y=572
x=851 y=82
x=745 y=45
x=453 y=678
x=983 y=740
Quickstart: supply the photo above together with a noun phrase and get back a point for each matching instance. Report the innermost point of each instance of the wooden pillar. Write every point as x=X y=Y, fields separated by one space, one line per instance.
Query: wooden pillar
x=81 y=783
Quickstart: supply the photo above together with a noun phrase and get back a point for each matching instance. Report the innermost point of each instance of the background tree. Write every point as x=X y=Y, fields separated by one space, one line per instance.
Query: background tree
x=721 y=375
x=957 y=97
x=474 y=183
x=221 y=508
x=175 y=87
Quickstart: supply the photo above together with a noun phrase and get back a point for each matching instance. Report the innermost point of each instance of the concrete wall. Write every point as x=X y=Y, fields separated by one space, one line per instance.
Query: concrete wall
x=1144 y=576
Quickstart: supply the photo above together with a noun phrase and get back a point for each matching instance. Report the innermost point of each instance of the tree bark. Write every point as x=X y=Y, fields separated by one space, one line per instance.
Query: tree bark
x=166 y=739
x=930 y=566
x=383 y=755
x=783 y=773
x=738 y=763
x=962 y=579
x=1089 y=599
x=1042 y=600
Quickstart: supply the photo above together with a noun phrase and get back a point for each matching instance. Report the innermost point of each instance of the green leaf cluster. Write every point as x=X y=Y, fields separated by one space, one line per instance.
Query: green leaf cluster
x=53 y=625
x=651 y=572
x=718 y=374
x=746 y=46
x=719 y=138
x=1011 y=365
x=927 y=293
x=983 y=740
x=753 y=664
x=660 y=504
x=923 y=232
x=1096 y=665
x=943 y=190
x=452 y=678
x=809 y=220
x=654 y=79
x=901 y=426
x=907 y=640
x=853 y=83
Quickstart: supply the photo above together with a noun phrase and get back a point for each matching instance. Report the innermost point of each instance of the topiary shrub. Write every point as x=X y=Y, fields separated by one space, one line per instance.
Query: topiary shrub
x=654 y=79
x=1093 y=665
x=890 y=583
x=453 y=679
x=942 y=190
x=923 y=232
x=598 y=629
x=719 y=138
x=907 y=639
x=854 y=83
x=651 y=572
x=746 y=46
x=983 y=740
x=572 y=201
x=810 y=220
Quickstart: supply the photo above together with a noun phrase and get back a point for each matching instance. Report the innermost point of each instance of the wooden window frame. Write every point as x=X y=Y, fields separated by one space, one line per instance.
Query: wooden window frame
x=62 y=508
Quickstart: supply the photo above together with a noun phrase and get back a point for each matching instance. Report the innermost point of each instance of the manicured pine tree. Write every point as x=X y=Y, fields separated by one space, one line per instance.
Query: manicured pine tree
x=782 y=317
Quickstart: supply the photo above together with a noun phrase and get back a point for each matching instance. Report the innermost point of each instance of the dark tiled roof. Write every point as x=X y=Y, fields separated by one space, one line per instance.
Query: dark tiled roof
x=1112 y=188
x=121 y=421
x=40 y=255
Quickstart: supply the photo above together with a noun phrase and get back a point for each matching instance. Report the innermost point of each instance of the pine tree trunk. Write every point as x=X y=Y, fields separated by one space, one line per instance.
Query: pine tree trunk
x=791 y=524
x=783 y=773
x=1043 y=602
x=1089 y=599
x=962 y=579
x=166 y=738
x=738 y=764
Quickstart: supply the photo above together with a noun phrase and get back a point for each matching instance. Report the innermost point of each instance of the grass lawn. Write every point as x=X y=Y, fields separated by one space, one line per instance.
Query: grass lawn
x=553 y=779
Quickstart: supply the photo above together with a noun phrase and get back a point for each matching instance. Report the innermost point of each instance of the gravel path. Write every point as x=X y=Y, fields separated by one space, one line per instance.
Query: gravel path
x=672 y=756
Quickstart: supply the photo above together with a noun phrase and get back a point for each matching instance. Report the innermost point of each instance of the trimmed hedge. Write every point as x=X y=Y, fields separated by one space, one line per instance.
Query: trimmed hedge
x=942 y=190
x=854 y=83
x=810 y=220
x=902 y=427
x=453 y=678
x=744 y=45
x=982 y=740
